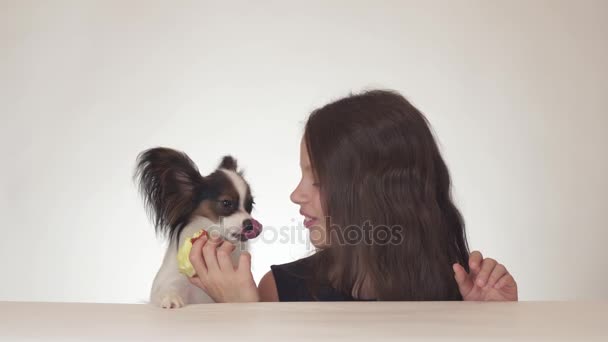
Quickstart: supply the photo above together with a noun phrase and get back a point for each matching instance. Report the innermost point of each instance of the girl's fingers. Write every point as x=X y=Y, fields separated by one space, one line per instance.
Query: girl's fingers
x=487 y=266
x=245 y=262
x=196 y=257
x=506 y=280
x=209 y=253
x=196 y=281
x=499 y=271
x=223 y=256
x=475 y=259
x=465 y=284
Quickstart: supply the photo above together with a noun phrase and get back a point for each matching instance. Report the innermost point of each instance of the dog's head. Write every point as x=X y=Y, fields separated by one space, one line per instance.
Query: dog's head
x=225 y=198
x=175 y=193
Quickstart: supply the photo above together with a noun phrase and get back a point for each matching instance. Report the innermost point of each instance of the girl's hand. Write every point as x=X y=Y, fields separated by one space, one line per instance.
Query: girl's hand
x=216 y=275
x=488 y=280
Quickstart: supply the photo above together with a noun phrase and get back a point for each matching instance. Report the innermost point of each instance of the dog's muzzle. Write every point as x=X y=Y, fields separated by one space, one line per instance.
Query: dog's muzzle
x=251 y=229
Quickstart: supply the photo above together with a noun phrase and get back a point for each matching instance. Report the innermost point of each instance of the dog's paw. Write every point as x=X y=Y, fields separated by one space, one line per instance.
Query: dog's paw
x=171 y=301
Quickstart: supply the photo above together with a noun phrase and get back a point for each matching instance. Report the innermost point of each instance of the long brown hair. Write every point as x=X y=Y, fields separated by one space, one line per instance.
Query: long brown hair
x=381 y=175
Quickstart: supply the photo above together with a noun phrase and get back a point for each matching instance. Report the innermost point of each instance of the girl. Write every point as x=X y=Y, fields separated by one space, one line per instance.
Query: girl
x=375 y=194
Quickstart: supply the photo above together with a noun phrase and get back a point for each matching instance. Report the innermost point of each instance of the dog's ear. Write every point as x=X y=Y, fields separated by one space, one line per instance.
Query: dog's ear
x=228 y=163
x=169 y=182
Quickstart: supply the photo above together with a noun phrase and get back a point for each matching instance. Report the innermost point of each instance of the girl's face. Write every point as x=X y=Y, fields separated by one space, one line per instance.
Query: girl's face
x=308 y=197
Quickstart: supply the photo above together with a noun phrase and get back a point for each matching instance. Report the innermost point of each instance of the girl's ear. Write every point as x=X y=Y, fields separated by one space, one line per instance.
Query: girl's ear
x=228 y=163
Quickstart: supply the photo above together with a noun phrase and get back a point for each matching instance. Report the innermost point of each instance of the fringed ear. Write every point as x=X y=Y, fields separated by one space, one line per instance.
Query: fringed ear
x=228 y=163
x=168 y=181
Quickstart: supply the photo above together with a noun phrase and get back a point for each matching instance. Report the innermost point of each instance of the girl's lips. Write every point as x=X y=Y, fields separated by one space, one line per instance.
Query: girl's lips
x=309 y=222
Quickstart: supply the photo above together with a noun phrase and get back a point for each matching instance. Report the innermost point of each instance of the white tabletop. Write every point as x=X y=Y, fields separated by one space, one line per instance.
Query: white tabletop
x=346 y=321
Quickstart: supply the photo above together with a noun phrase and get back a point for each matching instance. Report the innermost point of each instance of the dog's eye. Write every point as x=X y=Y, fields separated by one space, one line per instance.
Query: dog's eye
x=249 y=205
x=226 y=204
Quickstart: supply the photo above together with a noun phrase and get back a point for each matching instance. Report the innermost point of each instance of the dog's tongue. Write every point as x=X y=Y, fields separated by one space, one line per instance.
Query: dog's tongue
x=257 y=229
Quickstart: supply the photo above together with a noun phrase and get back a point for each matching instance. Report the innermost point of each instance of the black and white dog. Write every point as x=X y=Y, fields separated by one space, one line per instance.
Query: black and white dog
x=181 y=202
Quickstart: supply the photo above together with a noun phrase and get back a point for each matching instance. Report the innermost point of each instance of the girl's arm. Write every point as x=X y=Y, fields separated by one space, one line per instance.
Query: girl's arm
x=268 y=288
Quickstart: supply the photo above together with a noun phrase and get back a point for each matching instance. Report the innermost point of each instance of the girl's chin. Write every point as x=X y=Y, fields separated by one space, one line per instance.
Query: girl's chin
x=316 y=236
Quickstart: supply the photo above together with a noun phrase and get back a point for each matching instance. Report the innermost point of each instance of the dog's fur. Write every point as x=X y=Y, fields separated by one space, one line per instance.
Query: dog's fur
x=180 y=202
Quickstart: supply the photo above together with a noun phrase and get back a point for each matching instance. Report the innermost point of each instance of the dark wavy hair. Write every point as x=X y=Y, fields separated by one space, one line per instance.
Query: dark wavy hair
x=380 y=171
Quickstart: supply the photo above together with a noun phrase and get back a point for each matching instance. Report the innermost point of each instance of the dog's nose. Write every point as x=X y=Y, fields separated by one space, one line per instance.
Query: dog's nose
x=247 y=225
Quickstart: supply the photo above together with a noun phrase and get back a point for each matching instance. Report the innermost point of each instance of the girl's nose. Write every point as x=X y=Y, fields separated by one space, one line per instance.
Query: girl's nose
x=297 y=196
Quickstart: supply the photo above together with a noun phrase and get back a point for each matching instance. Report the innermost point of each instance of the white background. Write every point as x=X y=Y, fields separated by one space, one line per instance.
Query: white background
x=516 y=92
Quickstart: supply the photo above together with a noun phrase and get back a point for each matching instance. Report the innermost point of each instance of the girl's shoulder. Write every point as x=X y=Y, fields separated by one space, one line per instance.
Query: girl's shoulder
x=290 y=279
x=291 y=282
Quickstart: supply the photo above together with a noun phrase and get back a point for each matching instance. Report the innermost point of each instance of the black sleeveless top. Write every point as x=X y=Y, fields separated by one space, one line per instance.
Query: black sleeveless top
x=291 y=279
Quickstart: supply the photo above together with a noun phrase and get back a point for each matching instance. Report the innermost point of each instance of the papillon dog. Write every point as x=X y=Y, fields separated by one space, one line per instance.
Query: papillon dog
x=180 y=202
